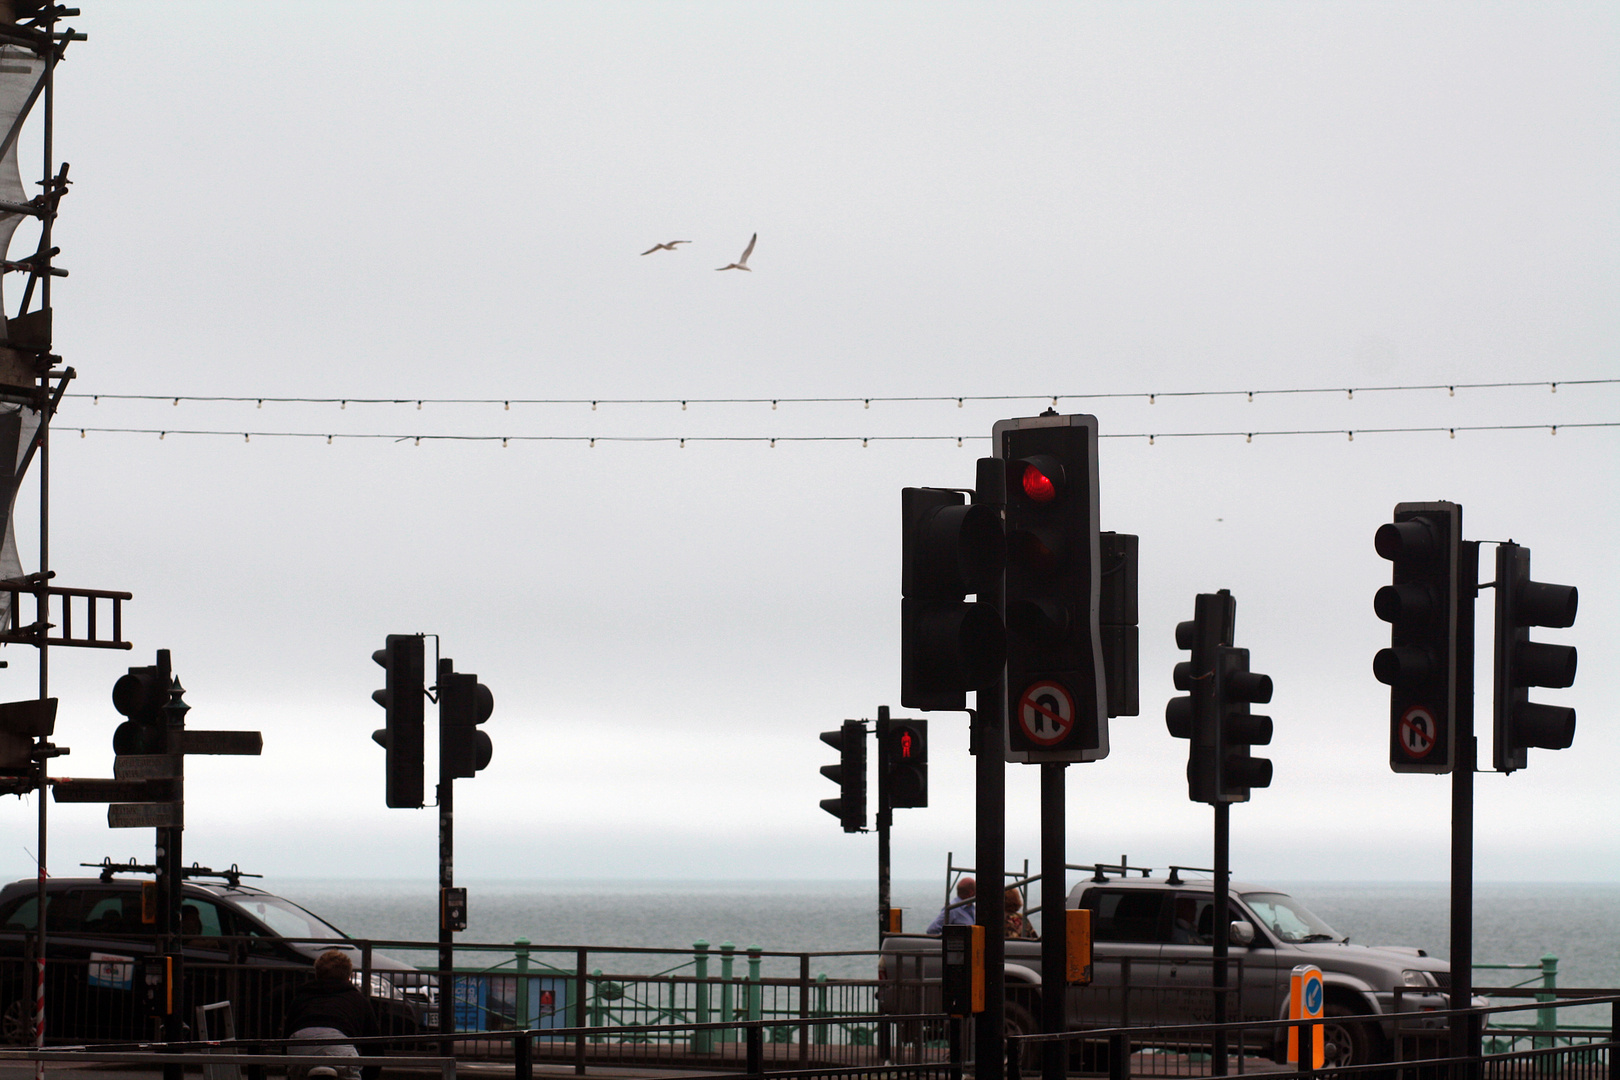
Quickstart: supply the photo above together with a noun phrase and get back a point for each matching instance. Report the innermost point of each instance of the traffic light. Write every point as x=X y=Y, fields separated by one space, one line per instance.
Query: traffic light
x=948 y=645
x=1236 y=729
x=21 y=722
x=1117 y=620
x=464 y=703
x=903 y=762
x=849 y=774
x=401 y=699
x=141 y=695
x=1421 y=606
x=1520 y=723
x=1196 y=716
x=1057 y=703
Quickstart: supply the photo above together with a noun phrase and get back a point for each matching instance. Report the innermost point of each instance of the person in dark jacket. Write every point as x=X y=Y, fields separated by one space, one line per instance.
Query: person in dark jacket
x=330 y=1006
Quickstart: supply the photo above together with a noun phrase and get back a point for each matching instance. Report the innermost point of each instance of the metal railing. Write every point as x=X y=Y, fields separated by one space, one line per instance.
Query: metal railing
x=1422 y=1049
x=96 y=998
x=752 y=1055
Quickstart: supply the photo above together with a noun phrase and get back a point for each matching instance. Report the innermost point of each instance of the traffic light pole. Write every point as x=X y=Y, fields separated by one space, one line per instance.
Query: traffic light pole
x=990 y=855
x=1222 y=920
x=169 y=862
x=1054 y=922
x=1464 y=1032
x=447 y=879
x=987 y=742
x=885 y=818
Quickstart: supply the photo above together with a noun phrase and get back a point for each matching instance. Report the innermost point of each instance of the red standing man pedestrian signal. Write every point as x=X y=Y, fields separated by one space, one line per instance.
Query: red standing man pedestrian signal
x=904 y=762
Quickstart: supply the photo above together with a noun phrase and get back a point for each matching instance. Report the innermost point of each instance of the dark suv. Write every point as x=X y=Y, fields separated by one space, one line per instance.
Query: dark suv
x=241 y=944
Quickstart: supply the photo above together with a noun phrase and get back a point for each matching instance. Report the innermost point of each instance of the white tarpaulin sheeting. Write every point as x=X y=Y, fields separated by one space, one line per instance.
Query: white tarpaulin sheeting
x=17 y=427
x=19 y=74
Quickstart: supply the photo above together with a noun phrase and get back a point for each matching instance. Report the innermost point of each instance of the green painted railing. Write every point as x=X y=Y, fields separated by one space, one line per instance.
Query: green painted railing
x=685 y=992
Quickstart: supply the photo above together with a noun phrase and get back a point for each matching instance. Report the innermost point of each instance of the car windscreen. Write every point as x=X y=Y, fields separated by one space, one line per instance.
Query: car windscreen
x=286 y=919
x=1289 y=919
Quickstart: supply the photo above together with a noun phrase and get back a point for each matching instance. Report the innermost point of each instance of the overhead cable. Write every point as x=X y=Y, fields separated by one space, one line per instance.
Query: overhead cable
x=866 y=400
x=864 y=440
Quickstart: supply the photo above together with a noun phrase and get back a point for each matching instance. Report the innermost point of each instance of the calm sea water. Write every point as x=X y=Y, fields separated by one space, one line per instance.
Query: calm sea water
x=1514 y=923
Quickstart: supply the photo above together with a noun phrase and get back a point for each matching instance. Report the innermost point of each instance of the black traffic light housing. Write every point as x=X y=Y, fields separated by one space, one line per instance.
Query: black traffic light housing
x=464 y=703
x=1421 y=605
x=141 y=695
x=1117 y=620
x=950 y=549
x=849 y=774
x=903 y=762
x=1057 y=693
x=1195 y=717
x=402 y=701
x=1518 y=722
x=1236 y=728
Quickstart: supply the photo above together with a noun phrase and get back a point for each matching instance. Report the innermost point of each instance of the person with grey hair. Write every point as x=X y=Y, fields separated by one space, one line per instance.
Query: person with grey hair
x=331 y=1007
x=959 y=913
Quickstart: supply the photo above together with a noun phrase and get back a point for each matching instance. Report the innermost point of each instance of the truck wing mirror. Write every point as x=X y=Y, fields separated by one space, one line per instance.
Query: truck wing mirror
x=1242 y=932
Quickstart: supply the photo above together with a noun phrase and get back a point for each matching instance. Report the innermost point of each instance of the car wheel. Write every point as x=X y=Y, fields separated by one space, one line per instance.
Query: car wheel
x=1018 y=1020
x=17 y=1027
x=1347 y=1038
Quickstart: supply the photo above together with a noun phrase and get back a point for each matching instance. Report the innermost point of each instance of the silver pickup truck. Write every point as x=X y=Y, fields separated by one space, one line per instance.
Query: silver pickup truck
x=1152 y=963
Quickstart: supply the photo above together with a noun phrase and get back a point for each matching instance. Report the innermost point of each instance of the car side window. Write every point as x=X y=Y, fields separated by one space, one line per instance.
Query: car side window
x=23 y=914
x=1127 y=915
x=1193 y=920
x=105 y=912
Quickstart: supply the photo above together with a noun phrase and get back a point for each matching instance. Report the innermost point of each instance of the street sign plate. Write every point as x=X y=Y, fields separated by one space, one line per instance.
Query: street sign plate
x=111 y=791
x=144 y=816
x=221 y=742
x=147 y=767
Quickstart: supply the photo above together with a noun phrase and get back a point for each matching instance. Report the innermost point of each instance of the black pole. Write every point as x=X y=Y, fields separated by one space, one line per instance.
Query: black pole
x=989 y=855
x=987 y=742
x=885 y=819
x=1222 y=926
x=1463 y=1038
x=447 y=880
x=168 y=863
x=1054 y=924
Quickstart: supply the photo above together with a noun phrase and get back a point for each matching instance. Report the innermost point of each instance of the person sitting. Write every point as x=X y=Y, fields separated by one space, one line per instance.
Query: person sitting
x=959 y=913
x=1017 y=925
x=191 y=930
x=331 y=1007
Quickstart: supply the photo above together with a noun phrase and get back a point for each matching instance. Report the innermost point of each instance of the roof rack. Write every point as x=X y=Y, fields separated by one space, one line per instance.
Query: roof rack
x=1175 y=878
x=1100 y=871
x=232 y=877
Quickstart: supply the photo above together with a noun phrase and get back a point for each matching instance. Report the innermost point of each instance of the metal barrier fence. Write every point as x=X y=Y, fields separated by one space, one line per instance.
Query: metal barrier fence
x=96 y=996
x=1420 y=1048
x=691 y=1050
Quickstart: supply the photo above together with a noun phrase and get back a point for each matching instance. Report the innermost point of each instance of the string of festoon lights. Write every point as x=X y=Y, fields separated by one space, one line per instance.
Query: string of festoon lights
x=864 y=440
x=866 y=401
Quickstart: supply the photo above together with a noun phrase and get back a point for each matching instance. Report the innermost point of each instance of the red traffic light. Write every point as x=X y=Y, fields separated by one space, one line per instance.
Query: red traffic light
x=1039 y=484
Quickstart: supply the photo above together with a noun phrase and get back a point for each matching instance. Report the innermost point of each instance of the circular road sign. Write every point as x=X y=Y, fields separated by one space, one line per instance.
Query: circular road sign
x=1417 y=731
x=1046 y=713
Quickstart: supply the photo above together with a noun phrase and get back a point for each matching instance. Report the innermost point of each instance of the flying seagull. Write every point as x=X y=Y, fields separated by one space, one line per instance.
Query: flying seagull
x=665 y=247
x=742 y=263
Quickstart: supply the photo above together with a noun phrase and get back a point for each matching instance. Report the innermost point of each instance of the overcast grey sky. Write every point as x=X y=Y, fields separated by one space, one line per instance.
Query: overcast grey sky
x=1018 y=201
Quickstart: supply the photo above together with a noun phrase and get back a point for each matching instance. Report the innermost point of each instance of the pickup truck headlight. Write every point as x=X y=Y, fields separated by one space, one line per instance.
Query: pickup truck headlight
x=1410 y=977
x=381 y=987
